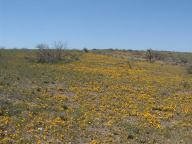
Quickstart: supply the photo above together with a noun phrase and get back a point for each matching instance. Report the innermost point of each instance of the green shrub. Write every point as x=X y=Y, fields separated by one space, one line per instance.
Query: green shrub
x=85 y=50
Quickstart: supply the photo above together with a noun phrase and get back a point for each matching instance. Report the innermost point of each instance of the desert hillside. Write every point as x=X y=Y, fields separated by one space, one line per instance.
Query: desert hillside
x=96 y=96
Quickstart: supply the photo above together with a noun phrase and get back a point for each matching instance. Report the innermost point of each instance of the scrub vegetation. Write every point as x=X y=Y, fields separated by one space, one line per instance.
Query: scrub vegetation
x=95 y=97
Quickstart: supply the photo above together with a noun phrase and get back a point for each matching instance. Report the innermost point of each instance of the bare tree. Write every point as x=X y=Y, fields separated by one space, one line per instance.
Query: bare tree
x=59 y=47
x=43 y=46
x=45 y=54
x=50 y=55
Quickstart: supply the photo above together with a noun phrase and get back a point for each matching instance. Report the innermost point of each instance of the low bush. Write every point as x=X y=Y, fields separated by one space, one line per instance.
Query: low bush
x=149 y=55
x=50 y=55
x=183 y=60
x=85 y=50
x=189 y=70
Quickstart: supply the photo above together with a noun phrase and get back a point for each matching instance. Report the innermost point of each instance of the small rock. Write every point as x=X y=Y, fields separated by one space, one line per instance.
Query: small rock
x=40 y=129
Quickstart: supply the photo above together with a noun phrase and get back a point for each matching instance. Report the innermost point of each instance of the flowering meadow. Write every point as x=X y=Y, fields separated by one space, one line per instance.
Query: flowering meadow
x=97 y=99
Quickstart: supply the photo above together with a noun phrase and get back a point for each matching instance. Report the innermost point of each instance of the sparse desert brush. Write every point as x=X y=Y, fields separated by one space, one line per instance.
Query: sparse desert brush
x=129 y=64
x=189 y=69
x=44 y=54
x=59 y=47
x=183 y=60
x=56 y=54
x=85 y=50
x=149 y=55
x=97 y=99
x=159 y=56
x=50 y=55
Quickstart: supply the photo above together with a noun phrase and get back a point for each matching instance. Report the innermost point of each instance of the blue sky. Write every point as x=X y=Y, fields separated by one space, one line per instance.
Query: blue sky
x=125 y=24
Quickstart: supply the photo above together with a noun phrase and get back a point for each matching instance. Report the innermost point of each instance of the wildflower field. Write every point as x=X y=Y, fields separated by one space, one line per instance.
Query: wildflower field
x=99 y=98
